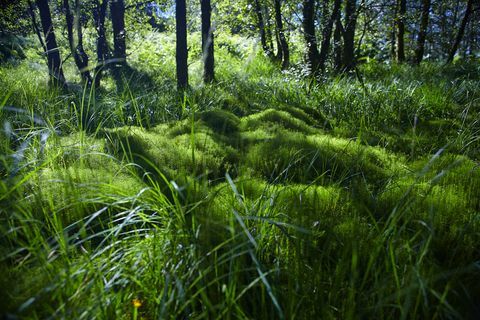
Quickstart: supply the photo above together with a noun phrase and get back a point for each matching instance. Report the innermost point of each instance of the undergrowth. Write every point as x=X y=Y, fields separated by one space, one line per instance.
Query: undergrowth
x=260 y=196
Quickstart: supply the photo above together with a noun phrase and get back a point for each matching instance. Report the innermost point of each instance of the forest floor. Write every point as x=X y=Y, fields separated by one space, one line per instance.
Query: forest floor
x=263 y=195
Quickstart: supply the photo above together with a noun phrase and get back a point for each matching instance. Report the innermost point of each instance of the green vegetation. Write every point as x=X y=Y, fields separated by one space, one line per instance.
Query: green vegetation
x=262 y=196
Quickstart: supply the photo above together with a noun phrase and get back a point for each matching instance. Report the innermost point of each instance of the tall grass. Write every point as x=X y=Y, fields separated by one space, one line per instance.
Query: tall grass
x=262 y=196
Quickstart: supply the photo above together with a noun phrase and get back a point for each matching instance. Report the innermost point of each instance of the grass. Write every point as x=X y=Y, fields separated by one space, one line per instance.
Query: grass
x=260 y=196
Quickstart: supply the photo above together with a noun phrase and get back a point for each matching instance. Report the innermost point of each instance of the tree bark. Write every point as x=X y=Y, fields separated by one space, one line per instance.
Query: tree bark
x=461 y=31
x=422 y=34
x=281 y=36
x=313 y=56
x=337 y=44
x=207 y=42
x=117 y=12
x=261 y=29
x=76 y=47
x=349 y=35
x=99 y=15
x=327 y=34
x=53 y=54
x=181 y=45
x=402 y=10
x=31 y=11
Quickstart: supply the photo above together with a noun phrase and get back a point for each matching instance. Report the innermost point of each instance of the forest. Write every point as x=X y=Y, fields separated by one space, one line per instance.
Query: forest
x=239 y=159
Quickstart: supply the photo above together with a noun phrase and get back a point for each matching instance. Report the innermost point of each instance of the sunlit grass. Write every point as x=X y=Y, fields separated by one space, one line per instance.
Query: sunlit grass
x=260 y=196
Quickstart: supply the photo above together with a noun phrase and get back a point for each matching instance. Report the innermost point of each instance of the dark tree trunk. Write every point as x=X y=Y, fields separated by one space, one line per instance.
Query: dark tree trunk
x=117 y=12
x=76 y=47
x=337 y=44
x=422 y=34
x=53 y=54
x=181 y=50
x=402 y=10
x=393 y=38
x=327 y=34
x=99 y=15
x=313 y=56
x=31 y=11
x=268 y=31
x=349 y=35
x=281 y=35
x=461 y=31
x=207 y=42
x=261 y=29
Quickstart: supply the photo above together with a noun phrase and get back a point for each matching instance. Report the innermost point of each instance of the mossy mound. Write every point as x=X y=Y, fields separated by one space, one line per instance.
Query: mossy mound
x=272 y=119
x=173 y=153
x=290 y=156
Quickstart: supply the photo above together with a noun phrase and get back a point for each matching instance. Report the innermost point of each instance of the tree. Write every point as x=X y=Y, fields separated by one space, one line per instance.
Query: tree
x=402 y=11
x=281 y=39
x=76 y=45
x=181 y=44
x=263 y=31
x=422 y=34
x=207 y=42
x=313 y=56
x=99 y=14
x=327 y=34
x=53 y=54
x=461 y=31
x=349 y=35
x=117 y=12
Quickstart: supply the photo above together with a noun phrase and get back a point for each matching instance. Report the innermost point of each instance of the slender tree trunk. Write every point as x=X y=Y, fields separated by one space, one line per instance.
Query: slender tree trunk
x=337 y=44
x=313 y=56
x=393 y=38
x=261 y=29
x=181 y=50
x=402 y=10
x=281 y=35
x=268 y=31
x=53 y=54
x=99 y=15
x=422 y=34
x=31 y=11
x=207 y=42
x=461 y=31
x=76 y=47
x=349 y=35
x=327 y=34
x=117 y=12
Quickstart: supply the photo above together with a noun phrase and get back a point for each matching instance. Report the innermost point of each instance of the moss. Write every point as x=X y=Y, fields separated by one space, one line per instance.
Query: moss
x=173 y=155
x=220 y=121
x=276 y=119
x=320 y=158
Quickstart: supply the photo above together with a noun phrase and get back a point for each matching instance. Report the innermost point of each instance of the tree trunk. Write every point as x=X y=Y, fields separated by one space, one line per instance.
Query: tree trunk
x=461 y=31
x=313 y=56
x=281 y=36
x=53 y=54
x=327 y=34
x=402 y=10
x=261 y=29
x=207 y=42
x=337 y=44
x=31 y=11
x=181 y=45
x=349 y=35
x=99 y=15
x=117 y=12
x=393 y=38
x=268 y=31
x=422 y=34
x=76 y=48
